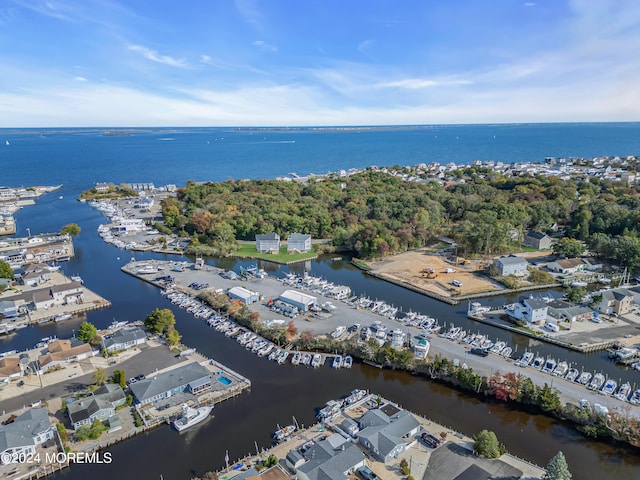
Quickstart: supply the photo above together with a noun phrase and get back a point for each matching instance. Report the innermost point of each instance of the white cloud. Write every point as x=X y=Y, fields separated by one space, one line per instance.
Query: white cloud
x=365 y=46
x=205 y=59
x=418 y=83
x=250 y=12
x=264 y=46
x=154 y=56
x=529 y=4
x=80 y=79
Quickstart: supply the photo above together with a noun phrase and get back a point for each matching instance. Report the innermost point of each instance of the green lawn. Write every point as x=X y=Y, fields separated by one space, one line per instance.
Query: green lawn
x=249 y=250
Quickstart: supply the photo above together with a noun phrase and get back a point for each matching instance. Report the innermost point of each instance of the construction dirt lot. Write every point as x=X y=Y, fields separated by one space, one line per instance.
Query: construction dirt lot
x=411 y=269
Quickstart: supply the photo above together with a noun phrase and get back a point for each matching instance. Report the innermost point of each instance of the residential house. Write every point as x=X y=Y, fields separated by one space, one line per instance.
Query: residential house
x=62 y=352
x=192 y=378
x=617 y=301
x=299 y=242
x=530 y=310
x=273 y=473
x=8 y=309
x=122 y=339
x=567 y=265
x=99 y=406
x=268 y=243
x=563 y=311
x=538 y=240
x=57 y=295
x=511 y=265
x=102 y=187
x=15 y=258
x=10 y=368
x=27 y=431
x=332 y=458
x=387 y=432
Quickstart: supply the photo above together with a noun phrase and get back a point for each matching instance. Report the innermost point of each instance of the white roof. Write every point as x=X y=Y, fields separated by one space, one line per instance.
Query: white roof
x=241 y=292
x=297 y=296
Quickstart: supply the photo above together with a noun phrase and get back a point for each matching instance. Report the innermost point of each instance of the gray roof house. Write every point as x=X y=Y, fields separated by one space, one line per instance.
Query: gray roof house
x=299 y=242
x=568 y=312
x=192 y=378
x=124 y=338
x=387 y=432
x=27 y=430
x=330 y=459
x=100 y=406
x=268 y=243
x=531 y=310
x=56 y=295
x=511 y=265
x=538 y=240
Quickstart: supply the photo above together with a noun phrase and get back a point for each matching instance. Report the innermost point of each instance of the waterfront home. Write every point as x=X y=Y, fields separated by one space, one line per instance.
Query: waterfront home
x=245 y=295
x=62 y=352
x=538 y=240
x=350 y=426
x=28 y=430
x=99 y=406
x=122 y=339
x=102 y=187
x=268 y=243
x=129 y=225
x=8 y=308
x=301 y=301
x=531 y=310
x=567 y=265
x=15 y=258
x=192 y=378
x=332 y=458
x=511 y=265
x=387 y=432
x=617 y=301
x=298 y=243
x=273 y=473
x=563 y=311
x=10 y=368
x=58 y=295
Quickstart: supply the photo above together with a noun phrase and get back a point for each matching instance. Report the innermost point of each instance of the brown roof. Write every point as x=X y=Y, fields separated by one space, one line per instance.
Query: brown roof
x=9 y=366
x=272 y=474
x=570 y=262
x=61 y=350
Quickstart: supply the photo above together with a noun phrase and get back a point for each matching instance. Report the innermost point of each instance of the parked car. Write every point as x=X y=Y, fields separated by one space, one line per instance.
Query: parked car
x=20 y=383
x=430 y=440
x=367 y=473
x=479 y=351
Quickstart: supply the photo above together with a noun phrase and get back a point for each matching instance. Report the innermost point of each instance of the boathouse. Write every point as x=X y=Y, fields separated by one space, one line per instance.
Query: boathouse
x=300 y=300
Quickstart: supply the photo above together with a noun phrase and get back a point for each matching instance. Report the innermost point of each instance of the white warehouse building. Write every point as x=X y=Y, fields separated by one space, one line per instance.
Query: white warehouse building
x=245 y=295
x=298 y=299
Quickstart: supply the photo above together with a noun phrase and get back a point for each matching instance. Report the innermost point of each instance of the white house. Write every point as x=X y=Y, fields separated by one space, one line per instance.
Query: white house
x=57 y=295
x=511 y=265
x=530 y=310
x=299 y=242
x=28 y=430
x=268 y=243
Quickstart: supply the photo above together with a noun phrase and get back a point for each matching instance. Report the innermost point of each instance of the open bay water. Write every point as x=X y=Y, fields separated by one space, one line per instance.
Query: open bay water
x=78 y=159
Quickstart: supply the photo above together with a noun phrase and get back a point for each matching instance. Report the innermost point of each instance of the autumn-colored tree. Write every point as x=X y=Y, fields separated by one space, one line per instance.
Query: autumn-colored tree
x=255 y=316
x=306 y=337
x=292 y=330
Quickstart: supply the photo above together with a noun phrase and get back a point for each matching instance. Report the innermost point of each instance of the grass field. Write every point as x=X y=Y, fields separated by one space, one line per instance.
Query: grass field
x=249 y=251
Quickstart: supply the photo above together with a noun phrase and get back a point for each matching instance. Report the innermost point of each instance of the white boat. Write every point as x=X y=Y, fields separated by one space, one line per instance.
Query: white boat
x=572 y=374
x=6 y=142
x=191 y=416
x=329 y=410
x=623 y=392
x=338 y=332
x=597 y=382
x=578 y=283
x=295 y=360
x=347 y=362
x=609 y=387
x=62 y=317
x=525 y=360
x=549 y=365
x=284 y=433
x=584 y=378
x=506 y=352
x=561 y=369
x=497 y=347
x=337 y=361
x=538 y=363
x=306 y=359
x=635 y=398
x=316 y=361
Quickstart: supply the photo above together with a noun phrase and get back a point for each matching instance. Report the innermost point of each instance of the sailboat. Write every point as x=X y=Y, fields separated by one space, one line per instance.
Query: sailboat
x=6 y=142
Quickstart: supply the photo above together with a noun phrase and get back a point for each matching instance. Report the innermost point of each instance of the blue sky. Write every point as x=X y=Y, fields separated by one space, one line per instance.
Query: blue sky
x=317 y=62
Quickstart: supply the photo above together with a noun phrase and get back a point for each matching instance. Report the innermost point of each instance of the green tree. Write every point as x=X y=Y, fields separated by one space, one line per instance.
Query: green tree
x=62 y=431
x=549 y=399
x=172 y=336
x=568 y=247
x=575 y=294
x=5 y=270
x=486 y=443
x=88 y=333
x=557 y=468
x=119 y=378
x=160 y=320
x=541 y=277
x=99 y=376
x=271 y=461
x=72 y=229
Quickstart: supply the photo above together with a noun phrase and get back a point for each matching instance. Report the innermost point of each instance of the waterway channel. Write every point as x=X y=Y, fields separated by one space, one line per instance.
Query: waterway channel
x=280 y=392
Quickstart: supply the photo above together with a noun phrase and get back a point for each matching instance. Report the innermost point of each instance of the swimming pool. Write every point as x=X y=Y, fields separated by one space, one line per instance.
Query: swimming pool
x=224 y=380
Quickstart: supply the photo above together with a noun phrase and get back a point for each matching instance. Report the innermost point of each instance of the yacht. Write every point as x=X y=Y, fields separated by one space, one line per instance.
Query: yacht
x=192 y=416
x=284 y=433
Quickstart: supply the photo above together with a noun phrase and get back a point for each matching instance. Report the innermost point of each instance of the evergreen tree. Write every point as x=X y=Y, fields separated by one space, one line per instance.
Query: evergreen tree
x=557 y=468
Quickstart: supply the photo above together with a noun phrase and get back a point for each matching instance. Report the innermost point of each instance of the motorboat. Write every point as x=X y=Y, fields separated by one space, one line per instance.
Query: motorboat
x=561 y=369
x=549 y=366
x=538 y=363
x=62 y=317
x=497 y=347
x=316 y=361
x=284 y=433
x=337 y=361
x=347 y=361
x=331 y=408
x=525 y=360
x=506 y=352
x=609 y=387
x=623 y=392
x=584 y=378
x=192 y=416
x=597 y=382
x=635 y=398
x=306 y=359
x=297 y=357
x=572 y=375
